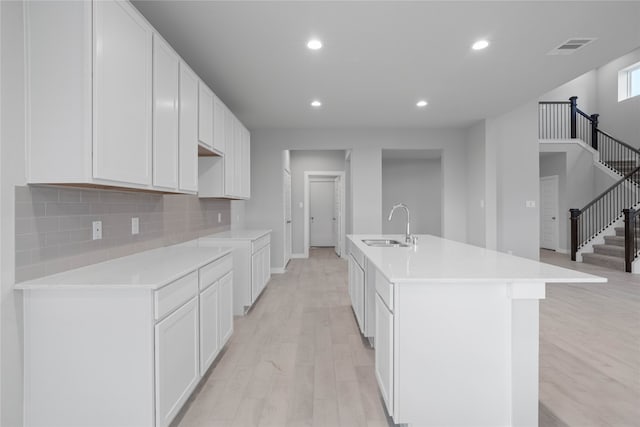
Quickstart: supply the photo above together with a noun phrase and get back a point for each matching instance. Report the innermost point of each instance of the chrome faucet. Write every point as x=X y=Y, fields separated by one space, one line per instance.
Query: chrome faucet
x=407 y=238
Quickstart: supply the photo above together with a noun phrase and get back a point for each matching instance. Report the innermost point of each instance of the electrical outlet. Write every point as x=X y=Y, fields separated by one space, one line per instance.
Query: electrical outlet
x=219 y=217
x=482 y=203
x=530 y=203
x=135 y=225
x=301 y=205
x=96 y=227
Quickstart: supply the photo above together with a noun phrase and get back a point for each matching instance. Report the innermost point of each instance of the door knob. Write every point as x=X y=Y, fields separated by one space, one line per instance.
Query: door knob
x=553 y=218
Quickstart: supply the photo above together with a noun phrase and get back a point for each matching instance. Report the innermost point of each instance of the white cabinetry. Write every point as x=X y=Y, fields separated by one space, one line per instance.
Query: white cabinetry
x=356 y=290
x=227 y=176
x=166 y=76
x=89 y=94
x=176 y=361
x=105 y=340
x=188 y=129
x=251 y=263
x=361 y=291
x=384 y=351
x=205 y=115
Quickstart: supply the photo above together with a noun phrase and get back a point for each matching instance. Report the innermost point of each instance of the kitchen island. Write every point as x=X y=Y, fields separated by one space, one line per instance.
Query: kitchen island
x=455 y=328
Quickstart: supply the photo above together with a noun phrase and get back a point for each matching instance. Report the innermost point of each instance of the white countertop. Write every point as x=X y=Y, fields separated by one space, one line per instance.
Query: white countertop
x=435 y=259
x=238 y=234
x=151 y=269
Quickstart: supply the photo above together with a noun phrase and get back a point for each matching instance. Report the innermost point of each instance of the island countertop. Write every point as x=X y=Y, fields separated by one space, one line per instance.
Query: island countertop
x=150 y=269
x=434 y=259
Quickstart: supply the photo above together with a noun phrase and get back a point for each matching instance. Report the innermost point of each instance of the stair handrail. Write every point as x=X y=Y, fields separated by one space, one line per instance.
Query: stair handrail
x=584 y=229
x=631 y=237
x=608 y=135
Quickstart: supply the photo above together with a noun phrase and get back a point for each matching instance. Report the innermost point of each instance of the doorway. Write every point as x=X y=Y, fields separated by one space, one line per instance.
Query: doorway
x=549 y=230
x=324 y=210
x=287 y=216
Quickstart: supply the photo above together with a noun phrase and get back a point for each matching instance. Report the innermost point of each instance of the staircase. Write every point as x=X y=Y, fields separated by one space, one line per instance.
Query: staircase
x=610 y=224
x=611 y=253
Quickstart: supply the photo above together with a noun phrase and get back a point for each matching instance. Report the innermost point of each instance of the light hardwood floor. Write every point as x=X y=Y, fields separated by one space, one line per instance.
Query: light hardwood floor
x=297 y=358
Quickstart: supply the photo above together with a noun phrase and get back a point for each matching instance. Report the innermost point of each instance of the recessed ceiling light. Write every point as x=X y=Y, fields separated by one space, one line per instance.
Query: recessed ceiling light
x=315 y=103
x=480 y=44
x=314 y=44
x=422 y=103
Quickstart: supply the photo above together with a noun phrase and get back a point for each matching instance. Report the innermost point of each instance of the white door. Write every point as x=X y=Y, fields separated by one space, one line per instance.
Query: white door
x=287 y=216
x=122 y=94
x=549 y=212
x=166 y=76
x=321 y=207
x=337 y=221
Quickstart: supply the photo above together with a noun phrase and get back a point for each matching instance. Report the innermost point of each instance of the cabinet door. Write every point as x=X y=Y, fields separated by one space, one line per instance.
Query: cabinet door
x=359 y=295
x=229 y=154
x=256 y=275
x=166 y=77
x=121 y=94
x=188 y=129
x=176 y=361
x=205 y=115
x=218 y=125
x=209 y=328
x=246 y=164
x=225 y=308
x=238 y=159
x=384 y=352
x=266 y=271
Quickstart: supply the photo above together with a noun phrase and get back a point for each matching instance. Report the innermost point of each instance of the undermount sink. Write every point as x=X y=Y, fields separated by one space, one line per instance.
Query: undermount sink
x=384 y=243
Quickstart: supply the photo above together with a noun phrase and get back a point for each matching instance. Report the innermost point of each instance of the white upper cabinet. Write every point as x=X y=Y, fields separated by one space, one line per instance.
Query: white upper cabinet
x=109 y=103
x=218 y=125
x=166 y=76
x=121 y=94
x=205 y=115
x=188 y=129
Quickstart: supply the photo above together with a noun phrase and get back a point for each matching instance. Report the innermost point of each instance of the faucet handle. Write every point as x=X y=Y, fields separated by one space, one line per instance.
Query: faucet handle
x=414 y=240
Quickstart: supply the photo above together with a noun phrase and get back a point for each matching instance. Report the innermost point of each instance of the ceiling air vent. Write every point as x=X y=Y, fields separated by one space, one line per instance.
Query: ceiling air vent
x=571 y=45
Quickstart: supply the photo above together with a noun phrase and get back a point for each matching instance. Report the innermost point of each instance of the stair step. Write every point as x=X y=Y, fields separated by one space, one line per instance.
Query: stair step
x=611 y=250
x=607 y=261
x=614 y=240
x=620 y=230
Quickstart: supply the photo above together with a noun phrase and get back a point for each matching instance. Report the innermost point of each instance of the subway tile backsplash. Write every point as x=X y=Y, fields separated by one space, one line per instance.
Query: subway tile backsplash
x=53 y=225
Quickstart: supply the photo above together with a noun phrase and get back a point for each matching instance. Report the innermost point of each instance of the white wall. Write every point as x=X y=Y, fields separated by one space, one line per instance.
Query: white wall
x=302 y=161
x=13 y=173
x=512 y=139
x=620 y=119
x=264 y=209
x=584 y=87
x=418 y=184
x=476 y=184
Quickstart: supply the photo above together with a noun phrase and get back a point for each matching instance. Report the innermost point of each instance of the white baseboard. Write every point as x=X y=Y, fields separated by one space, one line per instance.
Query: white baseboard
x=278 y=270
x=563 y=251
x=298 y=256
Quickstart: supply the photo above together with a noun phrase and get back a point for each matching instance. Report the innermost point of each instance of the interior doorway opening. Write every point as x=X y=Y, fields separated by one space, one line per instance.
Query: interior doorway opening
x=324 y=204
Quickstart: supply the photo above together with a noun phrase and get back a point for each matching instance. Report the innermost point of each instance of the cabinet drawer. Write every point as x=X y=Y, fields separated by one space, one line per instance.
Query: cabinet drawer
x=384 y=289
x=175 y=294
x=215 y=270
x=259 y=243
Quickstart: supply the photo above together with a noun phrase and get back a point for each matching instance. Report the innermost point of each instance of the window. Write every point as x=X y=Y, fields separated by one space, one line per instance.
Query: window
x=629 y=82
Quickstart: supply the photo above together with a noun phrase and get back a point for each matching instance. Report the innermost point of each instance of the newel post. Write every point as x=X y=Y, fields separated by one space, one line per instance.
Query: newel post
x=629 y=238
x=594 y=131
x=575 y=214
x=574 y=118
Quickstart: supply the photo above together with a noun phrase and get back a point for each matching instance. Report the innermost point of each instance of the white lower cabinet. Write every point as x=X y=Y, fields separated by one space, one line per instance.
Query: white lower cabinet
x=209 y=331
x=251 y=263
x=127 y=355
x=225 y=308
x=384 y=351
x=176 y=361
x=358 y=291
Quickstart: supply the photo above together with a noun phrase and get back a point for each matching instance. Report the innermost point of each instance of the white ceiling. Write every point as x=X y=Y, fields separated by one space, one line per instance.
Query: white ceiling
x=380 y=57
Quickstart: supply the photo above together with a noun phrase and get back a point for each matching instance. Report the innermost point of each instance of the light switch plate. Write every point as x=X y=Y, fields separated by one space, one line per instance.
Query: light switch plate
x=135 y=225
x=219 y=217
x=96 y=228
x=531 y=203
